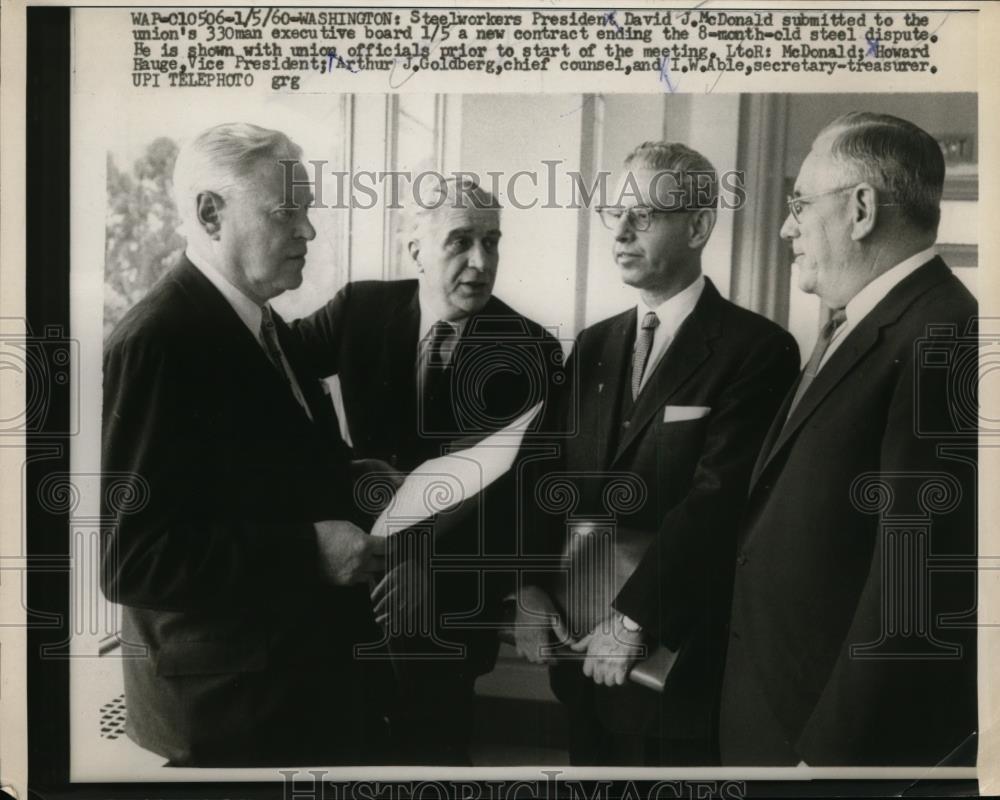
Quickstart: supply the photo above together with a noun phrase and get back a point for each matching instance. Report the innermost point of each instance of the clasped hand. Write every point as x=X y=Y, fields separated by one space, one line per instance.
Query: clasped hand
x=611 y=651
x=348 y=554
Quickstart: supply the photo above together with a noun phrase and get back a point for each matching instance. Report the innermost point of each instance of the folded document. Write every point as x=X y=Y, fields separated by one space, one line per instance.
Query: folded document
x=443 y=482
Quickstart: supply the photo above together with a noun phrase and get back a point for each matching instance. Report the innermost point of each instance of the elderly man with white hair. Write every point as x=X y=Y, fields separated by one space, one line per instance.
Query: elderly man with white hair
x=425 y=364
x=242 y=577
x=853 y=634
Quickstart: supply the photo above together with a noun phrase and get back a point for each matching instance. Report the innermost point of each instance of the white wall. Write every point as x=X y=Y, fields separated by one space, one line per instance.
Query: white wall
x=510 y=133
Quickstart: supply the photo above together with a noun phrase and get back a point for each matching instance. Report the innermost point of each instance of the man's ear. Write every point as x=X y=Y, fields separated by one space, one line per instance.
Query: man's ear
x=864 y=211
x=413 y=247
x=701 y=227
x=209 y=210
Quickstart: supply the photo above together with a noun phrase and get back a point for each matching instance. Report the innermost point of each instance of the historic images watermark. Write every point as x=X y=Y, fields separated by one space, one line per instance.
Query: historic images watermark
x=318 y=784
x=666 y=190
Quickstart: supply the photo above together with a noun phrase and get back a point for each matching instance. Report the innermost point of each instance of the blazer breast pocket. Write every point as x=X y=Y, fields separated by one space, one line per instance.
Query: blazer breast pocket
x=680 y=435
x=685 y=413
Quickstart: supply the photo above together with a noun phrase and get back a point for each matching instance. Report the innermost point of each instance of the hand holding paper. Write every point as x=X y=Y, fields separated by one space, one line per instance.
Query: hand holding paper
x=347 y=555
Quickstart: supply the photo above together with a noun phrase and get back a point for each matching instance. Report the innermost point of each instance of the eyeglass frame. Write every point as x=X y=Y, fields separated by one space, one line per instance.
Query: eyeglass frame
x=629 y=213
x=791 y=200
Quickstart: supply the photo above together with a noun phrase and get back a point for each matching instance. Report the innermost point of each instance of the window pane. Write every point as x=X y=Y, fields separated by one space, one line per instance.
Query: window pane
x=416 y=145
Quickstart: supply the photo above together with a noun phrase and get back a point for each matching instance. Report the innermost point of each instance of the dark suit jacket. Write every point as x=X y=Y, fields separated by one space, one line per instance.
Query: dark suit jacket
x=367 y=335
x=503 y=365
x=246 y=654
x=815 y=578
x=694 y=475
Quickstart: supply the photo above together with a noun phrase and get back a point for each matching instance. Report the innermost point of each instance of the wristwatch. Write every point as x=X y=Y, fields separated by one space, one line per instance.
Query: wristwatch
x=630 y=624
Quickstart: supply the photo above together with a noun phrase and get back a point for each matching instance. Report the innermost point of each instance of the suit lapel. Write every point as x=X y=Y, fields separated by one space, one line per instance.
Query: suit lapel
x=688 y=351
x=398 y=368
x=231 y=337
x=238 y=348
x=854 y=348
x=320 y=406
x=600 y=410
x=772 y=433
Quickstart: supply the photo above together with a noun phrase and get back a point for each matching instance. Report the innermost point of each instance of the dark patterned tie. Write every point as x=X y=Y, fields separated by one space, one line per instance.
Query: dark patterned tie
x=826 y=333
x=269 y=337
x=643 y=344
x=435 y=379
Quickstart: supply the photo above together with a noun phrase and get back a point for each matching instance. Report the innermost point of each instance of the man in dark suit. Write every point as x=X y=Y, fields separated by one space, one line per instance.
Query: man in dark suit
x=237 y=575
x=427 y=366
x=674 y=397
x=853 y=636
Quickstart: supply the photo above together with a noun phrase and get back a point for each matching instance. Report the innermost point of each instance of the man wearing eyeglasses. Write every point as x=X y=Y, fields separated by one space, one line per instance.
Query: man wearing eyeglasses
x=852 y=640
x=674 y=397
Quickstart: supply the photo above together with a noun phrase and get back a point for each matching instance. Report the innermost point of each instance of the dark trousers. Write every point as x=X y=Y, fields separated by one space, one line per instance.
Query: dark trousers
x=431 y=717
x=432 y=710
x=596 y=741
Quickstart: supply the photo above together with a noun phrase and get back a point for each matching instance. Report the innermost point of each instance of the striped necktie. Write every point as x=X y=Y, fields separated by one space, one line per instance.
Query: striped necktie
x=269 y=338
x=643 y=344
x=826 y=334
x=435 y=374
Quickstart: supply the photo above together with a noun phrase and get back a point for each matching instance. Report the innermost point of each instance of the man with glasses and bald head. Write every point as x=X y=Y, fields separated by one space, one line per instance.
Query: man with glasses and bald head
x=846 y=647
x=675 y=393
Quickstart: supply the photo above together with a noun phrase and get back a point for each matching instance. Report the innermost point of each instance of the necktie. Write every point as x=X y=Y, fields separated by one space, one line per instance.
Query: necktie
x=826 y=333
x=439 y=346
x=269 y=337
x=643 y=344
x=434 y=377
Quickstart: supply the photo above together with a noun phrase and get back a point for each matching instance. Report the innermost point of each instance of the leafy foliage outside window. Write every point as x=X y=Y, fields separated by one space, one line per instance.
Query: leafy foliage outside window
x=142 y=239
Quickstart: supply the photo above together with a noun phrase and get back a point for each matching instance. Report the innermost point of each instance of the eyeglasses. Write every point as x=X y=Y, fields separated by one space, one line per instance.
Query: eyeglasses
x=796 y=204
x=639 y=217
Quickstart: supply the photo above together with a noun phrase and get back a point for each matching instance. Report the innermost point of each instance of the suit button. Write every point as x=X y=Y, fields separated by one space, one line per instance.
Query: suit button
x=741 y=560
x=626 y=423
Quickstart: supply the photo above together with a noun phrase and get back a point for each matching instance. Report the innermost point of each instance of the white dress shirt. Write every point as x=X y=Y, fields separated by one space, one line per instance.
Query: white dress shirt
x=671 y=314
x=428 y=318
x=250 y=314
x=861 y=305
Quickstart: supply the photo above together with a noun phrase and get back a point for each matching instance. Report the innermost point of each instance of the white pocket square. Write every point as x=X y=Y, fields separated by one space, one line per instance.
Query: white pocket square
x=680 y=413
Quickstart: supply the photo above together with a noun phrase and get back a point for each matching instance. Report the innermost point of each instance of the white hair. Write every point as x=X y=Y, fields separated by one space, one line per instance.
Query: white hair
x=462 y=192
x=219 y=158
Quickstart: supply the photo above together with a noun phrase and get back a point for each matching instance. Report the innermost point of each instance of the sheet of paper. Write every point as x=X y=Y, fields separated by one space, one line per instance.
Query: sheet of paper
x=443 y=482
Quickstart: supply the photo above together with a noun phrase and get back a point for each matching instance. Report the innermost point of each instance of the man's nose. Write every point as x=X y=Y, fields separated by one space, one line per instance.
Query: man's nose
x=624 y=232
x=476 y=256
x=305 y=229
x=789 y=228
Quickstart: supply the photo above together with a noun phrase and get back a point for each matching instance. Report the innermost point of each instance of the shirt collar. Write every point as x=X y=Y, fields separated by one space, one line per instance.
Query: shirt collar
x=871 y=295
x=671 y=313
x=428 y=317
x=246 y=309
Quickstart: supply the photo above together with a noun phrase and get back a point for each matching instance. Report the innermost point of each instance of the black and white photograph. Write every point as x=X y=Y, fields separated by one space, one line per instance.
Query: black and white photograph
x=452 y=410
